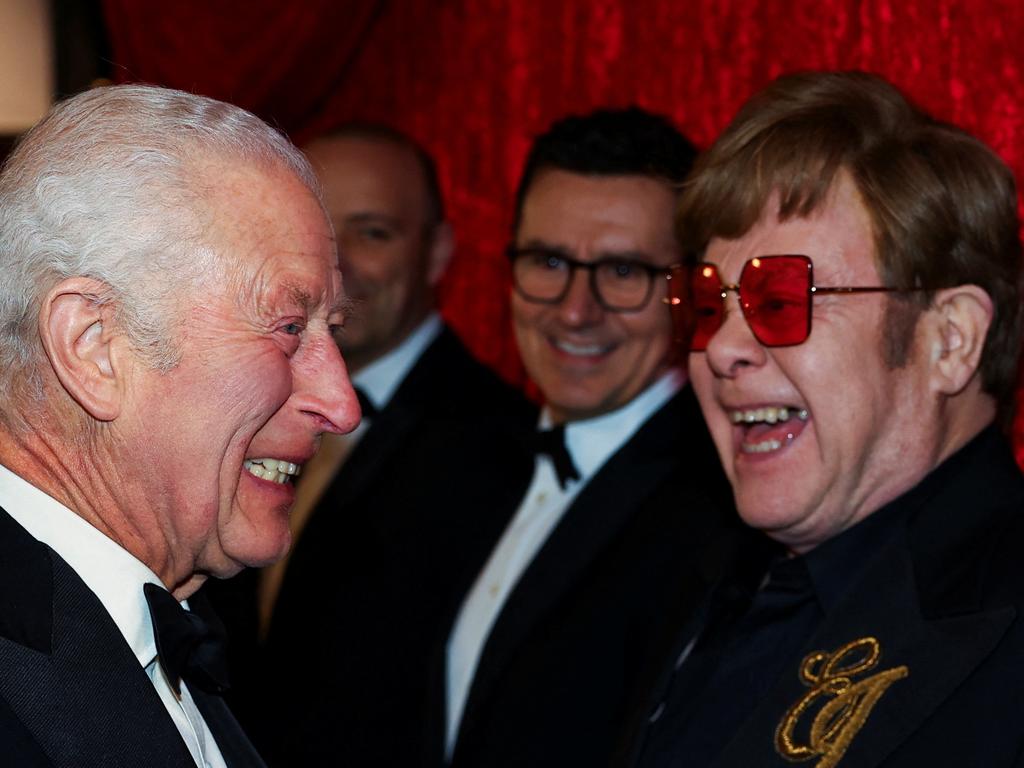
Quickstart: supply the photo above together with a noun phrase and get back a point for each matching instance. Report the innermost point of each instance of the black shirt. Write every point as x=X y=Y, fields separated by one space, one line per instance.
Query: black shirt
x=751 y=634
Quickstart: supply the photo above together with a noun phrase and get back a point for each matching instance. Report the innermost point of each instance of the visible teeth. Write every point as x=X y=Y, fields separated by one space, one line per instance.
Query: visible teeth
x=581 y=349
x=275 y=470
x=767 y=415
x=763 y=447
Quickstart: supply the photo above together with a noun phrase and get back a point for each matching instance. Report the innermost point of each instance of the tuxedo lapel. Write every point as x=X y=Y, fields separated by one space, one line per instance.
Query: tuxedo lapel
x=394 y=423
x=234 y=745
x=387 y=432
x=67 y=673
x=592 y=522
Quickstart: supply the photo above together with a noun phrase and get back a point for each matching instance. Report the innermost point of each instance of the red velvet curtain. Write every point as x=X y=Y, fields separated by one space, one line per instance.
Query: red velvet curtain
x=474 y=80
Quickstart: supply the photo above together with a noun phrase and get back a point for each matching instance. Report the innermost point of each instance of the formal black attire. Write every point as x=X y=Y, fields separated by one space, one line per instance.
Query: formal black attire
x=407 y=521
x=929 y=589
x=72 y=693
x=631 y=557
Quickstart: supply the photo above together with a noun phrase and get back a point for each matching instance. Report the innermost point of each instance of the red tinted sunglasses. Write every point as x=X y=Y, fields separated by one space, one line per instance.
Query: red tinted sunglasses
x=775 y=295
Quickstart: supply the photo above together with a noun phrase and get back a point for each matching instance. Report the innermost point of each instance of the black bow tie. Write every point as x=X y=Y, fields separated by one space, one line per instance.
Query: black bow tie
x=189 y=647
x=366 y=405
x=551 y=443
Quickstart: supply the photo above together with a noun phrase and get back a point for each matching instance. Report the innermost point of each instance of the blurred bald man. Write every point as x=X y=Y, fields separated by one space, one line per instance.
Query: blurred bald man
x=393 y=522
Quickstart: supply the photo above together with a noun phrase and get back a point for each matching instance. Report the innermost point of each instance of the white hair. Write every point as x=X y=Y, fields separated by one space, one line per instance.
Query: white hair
x=107 y=186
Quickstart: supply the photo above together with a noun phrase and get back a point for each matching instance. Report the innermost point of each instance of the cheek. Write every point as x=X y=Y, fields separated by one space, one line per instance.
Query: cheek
x=256 y=384
x=649 y=332
x=700 y=379
x=526 y=319
x=382 y=264
x=718 y=422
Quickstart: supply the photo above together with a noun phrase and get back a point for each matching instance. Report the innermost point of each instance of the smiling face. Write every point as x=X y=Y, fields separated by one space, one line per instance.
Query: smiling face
x=378 y=203
x=585 y=359
x=212 y=442
x=854 y=434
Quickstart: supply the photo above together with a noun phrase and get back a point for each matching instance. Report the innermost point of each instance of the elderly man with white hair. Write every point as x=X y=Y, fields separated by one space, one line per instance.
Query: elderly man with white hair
x=170 y=288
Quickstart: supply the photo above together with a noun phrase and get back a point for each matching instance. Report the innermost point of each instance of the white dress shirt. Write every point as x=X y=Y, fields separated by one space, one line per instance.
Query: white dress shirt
x=383 y=376
x=117 y=578
x=590 y=444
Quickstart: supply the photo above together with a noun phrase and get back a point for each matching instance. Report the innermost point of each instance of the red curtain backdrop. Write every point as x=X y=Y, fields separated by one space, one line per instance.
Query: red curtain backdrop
x=474 y=80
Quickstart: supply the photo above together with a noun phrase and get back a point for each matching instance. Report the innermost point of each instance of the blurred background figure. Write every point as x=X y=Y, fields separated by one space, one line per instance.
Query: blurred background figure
x=392 y=520
x=627 y=516
x=383 y=197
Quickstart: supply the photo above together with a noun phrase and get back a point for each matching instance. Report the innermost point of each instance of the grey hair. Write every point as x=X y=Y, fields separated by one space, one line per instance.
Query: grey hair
x=108 y=186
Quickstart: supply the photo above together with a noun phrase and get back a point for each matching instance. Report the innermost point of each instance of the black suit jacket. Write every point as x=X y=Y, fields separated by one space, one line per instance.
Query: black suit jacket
x=72 y=693
x=625 y=566
x=943 y=604
x=342 y=679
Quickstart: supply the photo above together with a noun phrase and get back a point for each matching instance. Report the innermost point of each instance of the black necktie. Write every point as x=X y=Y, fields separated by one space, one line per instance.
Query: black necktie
x=551 y=443
x=366 y=405
x=189 y=647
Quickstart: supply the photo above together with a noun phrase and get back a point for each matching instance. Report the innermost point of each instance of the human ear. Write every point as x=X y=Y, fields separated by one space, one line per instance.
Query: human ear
x=442 y=244
x=77 y=334
x=959 y=319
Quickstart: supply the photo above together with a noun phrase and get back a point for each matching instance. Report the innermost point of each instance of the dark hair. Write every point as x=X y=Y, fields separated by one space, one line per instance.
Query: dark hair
x=609 y=142
x=943 y=206
x=385 y=133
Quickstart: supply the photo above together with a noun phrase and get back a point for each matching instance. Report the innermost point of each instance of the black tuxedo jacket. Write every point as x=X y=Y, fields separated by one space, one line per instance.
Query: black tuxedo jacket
x=72 y=693
x=942 y=605
x=342 y=678
x=627 y=563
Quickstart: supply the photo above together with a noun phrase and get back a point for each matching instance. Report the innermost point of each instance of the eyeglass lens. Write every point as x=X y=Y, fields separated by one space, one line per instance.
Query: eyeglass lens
x=618 y=284
x=774 y=295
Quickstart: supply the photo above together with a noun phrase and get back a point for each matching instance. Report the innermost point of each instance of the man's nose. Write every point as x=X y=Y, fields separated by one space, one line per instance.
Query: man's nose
x=325 y=391
x=733 y=347
x=579 y=306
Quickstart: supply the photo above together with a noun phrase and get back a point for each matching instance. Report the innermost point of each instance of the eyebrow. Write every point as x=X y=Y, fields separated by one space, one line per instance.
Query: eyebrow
x=343 y=305
x=633 y=255
x=299 y=295
x=370 y=217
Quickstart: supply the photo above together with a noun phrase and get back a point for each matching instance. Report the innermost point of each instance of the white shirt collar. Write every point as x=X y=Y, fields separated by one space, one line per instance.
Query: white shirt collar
x=381 y=378
x=114 y=575
x=592 y=442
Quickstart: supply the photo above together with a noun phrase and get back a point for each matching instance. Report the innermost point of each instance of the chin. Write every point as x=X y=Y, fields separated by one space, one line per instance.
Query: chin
x=258 y=547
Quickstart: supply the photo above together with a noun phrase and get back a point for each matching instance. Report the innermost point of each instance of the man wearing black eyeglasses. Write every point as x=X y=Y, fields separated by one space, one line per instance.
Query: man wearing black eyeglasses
x=856 y=282
x=627 y=517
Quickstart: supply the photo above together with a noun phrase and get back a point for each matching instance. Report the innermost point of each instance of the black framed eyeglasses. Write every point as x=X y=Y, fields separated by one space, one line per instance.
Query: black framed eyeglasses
x=775 y=294
x=543 y=276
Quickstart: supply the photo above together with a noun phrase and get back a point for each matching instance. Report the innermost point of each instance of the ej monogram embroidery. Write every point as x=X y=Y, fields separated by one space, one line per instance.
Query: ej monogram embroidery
x=842 y=704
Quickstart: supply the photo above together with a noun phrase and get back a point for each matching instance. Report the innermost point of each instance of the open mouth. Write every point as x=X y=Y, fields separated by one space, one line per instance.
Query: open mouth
x=769 y=428
x=275 y=470
x=581 y=350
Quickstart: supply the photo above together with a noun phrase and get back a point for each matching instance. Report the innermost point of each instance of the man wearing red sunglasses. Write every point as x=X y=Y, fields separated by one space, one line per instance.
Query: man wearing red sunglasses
x=856 y=297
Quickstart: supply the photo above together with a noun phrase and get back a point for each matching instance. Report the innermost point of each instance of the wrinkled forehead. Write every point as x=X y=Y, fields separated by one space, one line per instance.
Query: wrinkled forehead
x=264 y=228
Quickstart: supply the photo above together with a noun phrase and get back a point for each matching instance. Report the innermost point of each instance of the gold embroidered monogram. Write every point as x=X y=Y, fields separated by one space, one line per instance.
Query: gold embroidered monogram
x=842 y=704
